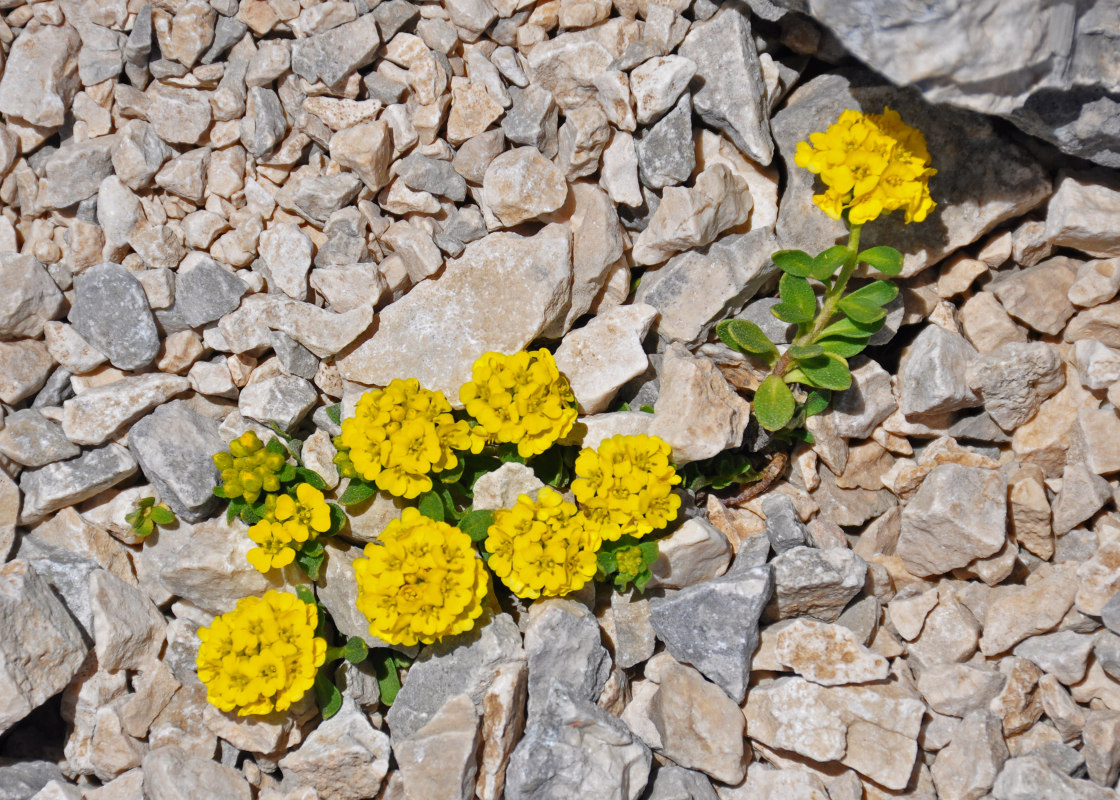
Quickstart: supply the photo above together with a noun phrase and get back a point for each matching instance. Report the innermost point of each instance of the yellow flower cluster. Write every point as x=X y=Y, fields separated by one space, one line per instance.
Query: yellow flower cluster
x=262 y=656
x=420 y=581
x=626 y=486
x=287 y=524
x=871 y=164
x=248 y=468
x=520 y=398
x=542 y=548
x=402 y=433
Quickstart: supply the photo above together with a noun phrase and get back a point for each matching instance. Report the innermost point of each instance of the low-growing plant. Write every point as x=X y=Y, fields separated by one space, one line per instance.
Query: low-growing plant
x=147 y=514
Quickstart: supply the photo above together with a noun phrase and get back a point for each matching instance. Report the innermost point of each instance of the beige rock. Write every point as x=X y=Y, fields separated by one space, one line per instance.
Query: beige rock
x=128 y=630
x=958 y=274
x=1095 y=440
x=693 y=217
x=830 y=655
x=96 y=415
x=967 y=768
x=581 y=140
x=30 y=297
x=1029 y=512
x=1097 y=686
x=286 y=251
x=260 y=734
x=415 y=247
x=696 y=412
x=1100 y=745
x=340 y=114
x=567 y=66
x=42 y=648
x=1101 y=323
x=503 y=719
x=957 y=689
x=473 y=110
x=872 y=729
x=521 y=184
x=1059 y=707
x=24 y=367
x=155 y=685
x=597 y=245
x=696 y=551
x=951 y=633
x=986 y=324
x=367 y=149
x=762 y=182
x=1098 y=579
x=1097 y=282
x=501 y=488
x=1018 y=704
x=369 y=518
x=322 y=332
x=439 y=761
x=112 y=751
x=908 y=614
x=602 y=356
x=1046 y=438
x=1016 y=612
x=1082 y=215
x=619 y=172
x=169 y=772
x=788 y=782
x=628 y=627
x=69 y=349
x=504 y=289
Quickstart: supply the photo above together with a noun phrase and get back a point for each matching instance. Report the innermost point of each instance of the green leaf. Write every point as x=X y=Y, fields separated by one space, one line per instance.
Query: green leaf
x=431 y=506
x=773 y=403
x=311 y=477
x=799 y=351
x=161 y=515
x=455 y=473
x=250 y=515
x=646 y=408
x=338 y=519
x=878 y=292
x=357 y=492
x=276 y=446
x=311 y=562
x=550 y=467
x=132 y=517
x=861 y=310
x=355 y=650
x=793 y=262
x=885 y=259
x=388 y=676
x=845 y=348
x=145 y=528
x=146 y=502
x=288 y=473
x=334 y=413
x=648 y=550
x=641 y=580
x=850 y=328
x=328 y=695
x=746 y=337
x=304 y=593
x=219 y=491
x=475 y=524
x=231 y=512
x=608 y=563
x=817 y=402
x=283 y=434
x=799 y=304
x=825 y=264
x=827 y=372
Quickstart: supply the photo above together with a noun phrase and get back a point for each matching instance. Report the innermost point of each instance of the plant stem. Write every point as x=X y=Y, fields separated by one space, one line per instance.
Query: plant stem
x=832 y=297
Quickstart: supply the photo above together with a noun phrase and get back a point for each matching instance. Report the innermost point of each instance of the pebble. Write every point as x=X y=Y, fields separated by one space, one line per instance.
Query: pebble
x=933 y=376
x=829 y=655
x=695 y=552
x=1081 y=215
x=1021 y=294
x=666 y=156
x=562 y=645
x=1014 y=379
x=284 y=400
x=41 y=75
x=599 y=358
x=520 y=184
x=110 y=311
x=65 y=483
x=98 y=414
x=29 y=297
x=817 y=583
x=31 y=440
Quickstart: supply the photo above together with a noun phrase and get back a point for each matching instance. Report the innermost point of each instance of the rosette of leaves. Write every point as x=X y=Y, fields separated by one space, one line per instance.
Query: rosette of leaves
x=828 y=333
x=147 y=514
x=627 y=561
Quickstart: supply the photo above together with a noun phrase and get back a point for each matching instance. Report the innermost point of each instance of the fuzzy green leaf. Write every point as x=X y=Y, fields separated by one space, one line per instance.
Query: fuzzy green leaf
x=388 y=674
x=476 y=524
x=132 y=517
x=825 y=264
x=845 y=348
x=746 y=337
x=311 y=561
x=793 y=262
x=328 y=695
x=355 y=650
x=144 y=528
x=146 y=502
x=773 y=403
x=338 y=519
x=863 y=311
x=357 y=492
x=162 y=515
x=311 y=477
x=850 y=328
x=800 y=351
x=334 y=413
x=817 y=402
x=219 y=491
x=878 y=292
x=250 y=515
x=304 y=593
x=885 y=259
x=274 y=445
x=431 y=506
x=799 y=304
x=827 y=372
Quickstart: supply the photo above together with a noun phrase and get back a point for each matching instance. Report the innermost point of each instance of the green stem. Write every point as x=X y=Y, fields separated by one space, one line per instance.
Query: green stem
x=333 y=654
x=832 y=296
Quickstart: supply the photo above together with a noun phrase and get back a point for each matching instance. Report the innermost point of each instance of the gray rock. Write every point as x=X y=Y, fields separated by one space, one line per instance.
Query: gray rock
x=171 y=773
x=1107 y=651
x=1063 y=654
x=1031 y=778
x=573 y=748
x=315 y=198
x=346 y=237
x=733 y=94
x=1014 y=379
x=378 y=87
x=228 y=31
x=333 y=56
x=1110 y=614
x=68 y=575
x=295 y=359
x=1061 y=758
x=817 y=583
x=56 y=390
x=1083 y=494
x=205 y=293
x=393 y=15
x=284 y=399
x=563 y=647
x=694 y=290
x=424 y=174
x=714 y=625
x=173 y=446
x=758 y=312
x=983 y=179
x=20 y=780
x=111 y=313
x=76 y=170
x=24 y=368
x=666 y=156
x=957 y=515
x=32 y=440
x=41 y=649
x=41 y=75
x=65 y=483
x=858 y=410
x=997 y=60
x=783 y=527
x=28 y=297
x=678 y=783
x=532 y=119
x=933 y=376
x=263 y=125
x=464 y=663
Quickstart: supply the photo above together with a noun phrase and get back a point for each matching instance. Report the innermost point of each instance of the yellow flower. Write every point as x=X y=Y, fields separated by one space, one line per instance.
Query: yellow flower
x=520 y=398
x=626 y=486
x=871 y=164
x=274 y=549
x=262 y=656
x=306 y=516
x=248 y=468
x=543 y=548
x=402 y=433
x=420 y=581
